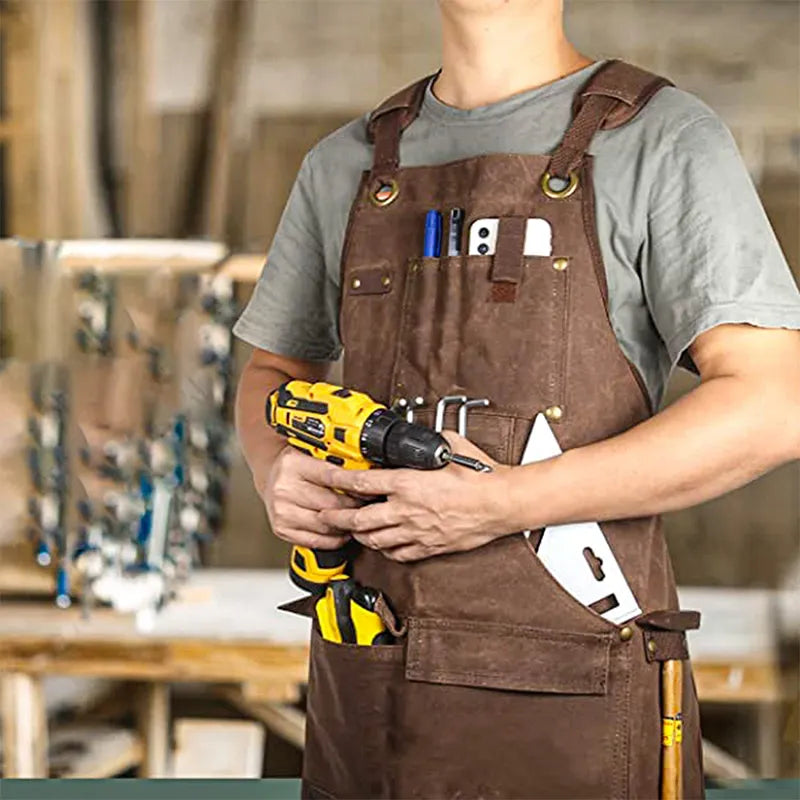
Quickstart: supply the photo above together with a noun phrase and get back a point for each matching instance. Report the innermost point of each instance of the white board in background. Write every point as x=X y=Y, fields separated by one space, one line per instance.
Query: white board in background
x=234 y=604
x=735 y=624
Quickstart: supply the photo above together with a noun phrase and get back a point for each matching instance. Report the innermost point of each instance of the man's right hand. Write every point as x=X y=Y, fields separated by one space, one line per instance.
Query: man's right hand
x=294 y=494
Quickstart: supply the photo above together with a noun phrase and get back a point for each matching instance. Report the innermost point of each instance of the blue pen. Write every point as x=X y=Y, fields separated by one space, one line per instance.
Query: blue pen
x=432 y=247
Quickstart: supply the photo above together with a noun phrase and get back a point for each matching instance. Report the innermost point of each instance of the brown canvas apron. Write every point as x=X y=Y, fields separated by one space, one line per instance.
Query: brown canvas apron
x=504 y=685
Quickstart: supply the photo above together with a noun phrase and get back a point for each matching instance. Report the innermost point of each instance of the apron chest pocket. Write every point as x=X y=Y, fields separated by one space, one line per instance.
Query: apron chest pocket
x=511 y=657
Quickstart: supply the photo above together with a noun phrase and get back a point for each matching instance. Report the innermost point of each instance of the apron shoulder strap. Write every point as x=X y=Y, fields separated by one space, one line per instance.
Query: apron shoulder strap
x=612 y=97
x=387 y=123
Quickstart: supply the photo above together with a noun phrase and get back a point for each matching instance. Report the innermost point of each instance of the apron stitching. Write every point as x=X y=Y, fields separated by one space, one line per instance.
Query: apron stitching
x=566 y=328
x=400 y=355
x=346 y=245
x=590 y=228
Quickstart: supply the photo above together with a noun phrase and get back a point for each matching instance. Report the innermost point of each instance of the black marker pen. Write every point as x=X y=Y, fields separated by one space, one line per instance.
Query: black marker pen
x=454 y=231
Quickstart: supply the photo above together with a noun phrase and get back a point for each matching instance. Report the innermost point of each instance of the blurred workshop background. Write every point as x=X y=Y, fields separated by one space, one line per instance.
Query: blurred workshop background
x=146 y=150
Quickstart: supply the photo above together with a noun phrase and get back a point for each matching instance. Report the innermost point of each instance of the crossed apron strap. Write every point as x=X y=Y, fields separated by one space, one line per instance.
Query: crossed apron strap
x=387 y=123
x=613 y=96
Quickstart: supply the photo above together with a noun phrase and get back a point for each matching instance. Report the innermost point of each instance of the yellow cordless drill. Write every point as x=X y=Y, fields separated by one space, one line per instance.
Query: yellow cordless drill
x=351 y=430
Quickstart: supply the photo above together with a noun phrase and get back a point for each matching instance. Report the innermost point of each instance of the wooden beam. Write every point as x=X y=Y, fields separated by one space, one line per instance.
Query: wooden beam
x=144 y=217
x=20 y=129
x=217 y=661
x=24 y=726
x=93 y=751
x=243 y=267
x=154 y=724
x=283 y=720
x=226 y=112
x=722 y=766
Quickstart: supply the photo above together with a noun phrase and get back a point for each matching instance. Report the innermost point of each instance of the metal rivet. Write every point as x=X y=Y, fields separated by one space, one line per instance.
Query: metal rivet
x=651 y=646
x=386 y=280
x=356 y=283
x=554 y=413
x=385 y=193
x=626 y=633
x=559 y=194
x=560 y=264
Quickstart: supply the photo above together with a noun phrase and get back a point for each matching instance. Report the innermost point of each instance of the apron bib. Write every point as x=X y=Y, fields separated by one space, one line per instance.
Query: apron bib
x=504 y=685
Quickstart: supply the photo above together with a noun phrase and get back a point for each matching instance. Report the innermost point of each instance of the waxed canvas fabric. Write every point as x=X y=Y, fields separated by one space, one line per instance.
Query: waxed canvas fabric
x=504 y=686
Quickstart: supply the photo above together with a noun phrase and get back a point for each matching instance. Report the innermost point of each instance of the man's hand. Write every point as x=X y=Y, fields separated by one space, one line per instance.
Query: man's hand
x=294 y=495
x=425 y=513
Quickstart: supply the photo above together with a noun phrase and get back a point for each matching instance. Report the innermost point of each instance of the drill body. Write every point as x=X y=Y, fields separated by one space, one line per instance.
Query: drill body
x=351 y=430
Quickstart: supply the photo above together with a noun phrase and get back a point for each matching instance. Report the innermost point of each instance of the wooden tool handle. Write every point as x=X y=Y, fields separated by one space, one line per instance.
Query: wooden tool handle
x=672 y=730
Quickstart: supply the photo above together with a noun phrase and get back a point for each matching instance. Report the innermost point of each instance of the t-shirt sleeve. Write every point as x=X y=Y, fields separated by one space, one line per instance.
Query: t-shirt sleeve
x=293 y=309
x=710 y=256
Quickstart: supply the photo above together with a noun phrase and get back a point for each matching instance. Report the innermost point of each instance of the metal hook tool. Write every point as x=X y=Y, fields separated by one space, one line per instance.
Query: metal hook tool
x=462 y=413
x=441 y=408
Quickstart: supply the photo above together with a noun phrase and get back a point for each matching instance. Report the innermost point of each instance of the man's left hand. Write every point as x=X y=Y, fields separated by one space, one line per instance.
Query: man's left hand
x=426 y=513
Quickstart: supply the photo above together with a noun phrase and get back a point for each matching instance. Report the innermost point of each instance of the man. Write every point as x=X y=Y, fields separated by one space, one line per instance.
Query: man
x=661 y=253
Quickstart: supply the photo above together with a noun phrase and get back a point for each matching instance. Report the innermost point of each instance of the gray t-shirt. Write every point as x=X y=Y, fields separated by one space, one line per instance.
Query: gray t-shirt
x=685 y=241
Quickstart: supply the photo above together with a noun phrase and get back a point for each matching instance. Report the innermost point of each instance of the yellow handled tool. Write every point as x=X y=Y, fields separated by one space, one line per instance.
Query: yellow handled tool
x=346 y=613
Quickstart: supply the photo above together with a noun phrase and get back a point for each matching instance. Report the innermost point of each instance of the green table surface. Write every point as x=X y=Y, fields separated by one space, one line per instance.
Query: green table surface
x=277 y=789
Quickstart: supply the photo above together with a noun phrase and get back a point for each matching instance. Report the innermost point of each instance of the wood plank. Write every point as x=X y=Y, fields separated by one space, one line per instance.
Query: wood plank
x=139 y=255
x=177 y=660
x=243 y=267
x=24 y=726
x=732 y=682
x=218 y=748
x=722 y=766
x=93 y=751
x=154 y=726
x=284 y=720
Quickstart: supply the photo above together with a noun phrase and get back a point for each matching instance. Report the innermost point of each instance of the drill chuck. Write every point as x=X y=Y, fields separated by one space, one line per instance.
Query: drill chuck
x=390 y=441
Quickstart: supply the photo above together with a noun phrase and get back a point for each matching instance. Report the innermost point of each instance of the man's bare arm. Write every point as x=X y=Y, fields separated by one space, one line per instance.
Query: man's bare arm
x=740 y=422
x=287 y=481
x=264 y=372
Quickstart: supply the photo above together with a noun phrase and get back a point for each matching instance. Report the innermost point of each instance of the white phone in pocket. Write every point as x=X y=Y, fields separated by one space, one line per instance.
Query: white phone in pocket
x=483 y=237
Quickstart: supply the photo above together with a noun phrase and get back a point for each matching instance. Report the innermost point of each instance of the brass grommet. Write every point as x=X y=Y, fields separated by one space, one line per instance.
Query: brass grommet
x=386 y=280
x=554 y=413
x=356 y=283
x=560 y=264
x=626 y=633
x=559 y=194
x=385 y=193
x=651 y=646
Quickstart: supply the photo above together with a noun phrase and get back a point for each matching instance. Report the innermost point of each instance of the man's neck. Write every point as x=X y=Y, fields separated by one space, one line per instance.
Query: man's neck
x=489 y=55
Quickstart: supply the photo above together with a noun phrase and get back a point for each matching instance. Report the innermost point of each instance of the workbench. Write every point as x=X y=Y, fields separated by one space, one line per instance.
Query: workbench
x=224 y=629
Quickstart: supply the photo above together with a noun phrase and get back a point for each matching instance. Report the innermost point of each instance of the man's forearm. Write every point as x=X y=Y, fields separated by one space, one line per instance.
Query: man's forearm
x=718 y=437
x=263 y=373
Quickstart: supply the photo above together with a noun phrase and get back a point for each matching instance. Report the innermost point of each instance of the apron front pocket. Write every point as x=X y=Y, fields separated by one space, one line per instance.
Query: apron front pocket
x=351 y=700
x=514 y=657
x=540 y=711
x=459 y=330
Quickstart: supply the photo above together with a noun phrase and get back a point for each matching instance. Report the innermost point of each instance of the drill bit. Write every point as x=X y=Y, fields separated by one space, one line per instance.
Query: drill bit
x=466 y=461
